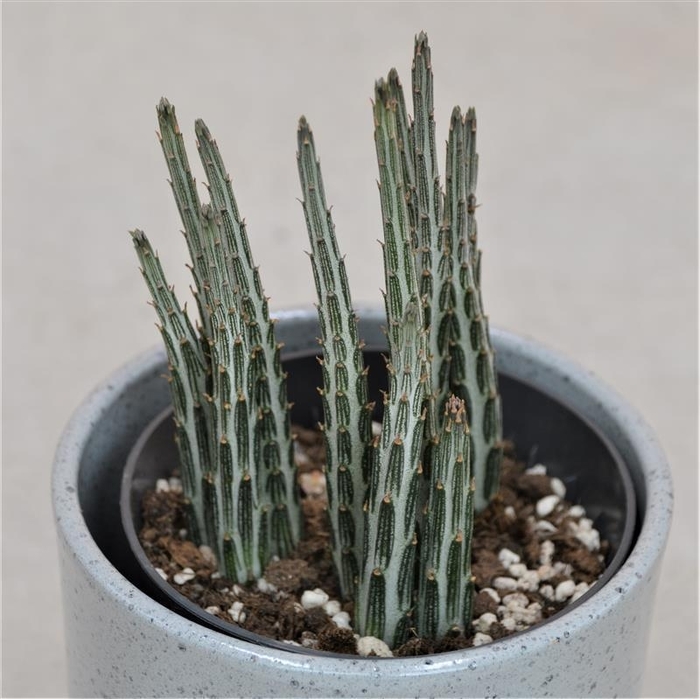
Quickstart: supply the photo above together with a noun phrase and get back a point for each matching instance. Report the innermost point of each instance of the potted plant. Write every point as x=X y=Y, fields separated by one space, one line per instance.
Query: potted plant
x=400 y=504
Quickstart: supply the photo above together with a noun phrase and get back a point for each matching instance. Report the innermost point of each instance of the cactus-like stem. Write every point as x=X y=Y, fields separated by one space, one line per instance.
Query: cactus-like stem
x=238 y=522
x=347 y=414
x=427 y=183
x=233 y=421
x=445 y=586
x=385 y=594
x=402 y=287
x=278 y=490
x=472 y=373
x=421 y=186
x=233 y=475
x=448 y=336
x=187 y=199
x=188 y=377
x=405 y=142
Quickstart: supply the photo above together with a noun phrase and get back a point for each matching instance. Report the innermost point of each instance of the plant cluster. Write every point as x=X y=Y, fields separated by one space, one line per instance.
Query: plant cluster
x=400 y=505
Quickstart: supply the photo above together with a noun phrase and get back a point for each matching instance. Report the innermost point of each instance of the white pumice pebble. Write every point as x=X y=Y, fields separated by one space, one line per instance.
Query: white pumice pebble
x=580 y=590
x=562 y=568
x=264 y=586
x=162 y=486
x=546 y=552
x=483 y=623
x=503 y=583
x=313 y=598
x=369 y=645
x=341 y=620
x=215 y=575
x=536 y=470
x=208 y=555
x=558 y=487
x=508 y=623
x=547 y=591
x=185 y=576
x=175 y=484
x=545 y=572
x=182 y=533
x=376 y=428
x=309 y=643
x=491 y=593
x=583 y=530
x=529 y=580
x=517 y=570
x=212 y=610
x=590 y=539
x=545 y=506
x=545 y=527
x=564 y=590
x=573 y=526
x=516 y=599
x=162 y=573
x=509 y=512
x=291 y=643
x=237 y=613
x=332 y=607
x=508 y=557
x=527 y=615
x=481 y=639
x=576 y=511
x=535 y=608
x=237 y=590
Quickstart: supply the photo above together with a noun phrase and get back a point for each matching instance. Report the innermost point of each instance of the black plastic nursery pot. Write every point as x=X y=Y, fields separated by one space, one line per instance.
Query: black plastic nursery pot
x=543 y=429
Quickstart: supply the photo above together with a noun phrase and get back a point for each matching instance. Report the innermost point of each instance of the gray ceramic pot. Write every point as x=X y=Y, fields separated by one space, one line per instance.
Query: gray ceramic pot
x=121 y=642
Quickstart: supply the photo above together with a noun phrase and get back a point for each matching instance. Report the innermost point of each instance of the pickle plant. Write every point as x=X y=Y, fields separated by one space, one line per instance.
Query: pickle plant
x=401 y=504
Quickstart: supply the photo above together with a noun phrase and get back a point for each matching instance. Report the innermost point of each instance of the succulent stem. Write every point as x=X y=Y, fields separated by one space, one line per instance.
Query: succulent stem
x=468 y=370
x=445 y=587
x=188 y=375
x=232 y=415
x=245 y=297
x=347 y=414
x=385 y=593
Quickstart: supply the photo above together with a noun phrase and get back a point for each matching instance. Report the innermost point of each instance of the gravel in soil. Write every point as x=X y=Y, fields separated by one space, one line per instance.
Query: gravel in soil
x=533 y=553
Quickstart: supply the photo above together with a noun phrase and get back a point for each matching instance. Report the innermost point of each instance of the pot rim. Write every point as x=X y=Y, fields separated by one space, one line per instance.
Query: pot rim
x=626 y=429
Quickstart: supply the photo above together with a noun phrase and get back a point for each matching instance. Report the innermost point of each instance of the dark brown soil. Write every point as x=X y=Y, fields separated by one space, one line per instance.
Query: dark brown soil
x=277 y=612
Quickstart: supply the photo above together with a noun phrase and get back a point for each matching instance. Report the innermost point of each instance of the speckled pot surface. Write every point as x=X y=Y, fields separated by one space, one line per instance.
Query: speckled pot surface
x=120 y=642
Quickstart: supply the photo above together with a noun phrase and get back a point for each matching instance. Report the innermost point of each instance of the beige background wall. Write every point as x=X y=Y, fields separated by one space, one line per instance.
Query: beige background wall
x=588 y=185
